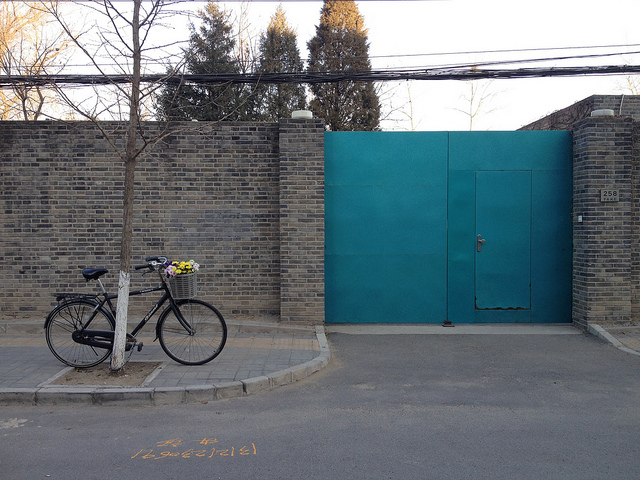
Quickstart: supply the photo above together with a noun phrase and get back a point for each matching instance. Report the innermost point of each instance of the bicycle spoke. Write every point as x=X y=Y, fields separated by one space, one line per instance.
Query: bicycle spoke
x=204 y=341
x=66 y=319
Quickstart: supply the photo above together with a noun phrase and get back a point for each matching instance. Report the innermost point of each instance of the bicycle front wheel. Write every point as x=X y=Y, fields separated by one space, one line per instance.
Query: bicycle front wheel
x=75 y=315
x=201 y=341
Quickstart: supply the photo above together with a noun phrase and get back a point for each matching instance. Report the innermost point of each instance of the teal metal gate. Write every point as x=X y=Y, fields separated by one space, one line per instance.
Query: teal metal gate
x=471 y=227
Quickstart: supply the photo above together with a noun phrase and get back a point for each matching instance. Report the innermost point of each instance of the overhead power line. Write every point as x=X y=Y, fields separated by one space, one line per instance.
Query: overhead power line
x=323 y=77
x=163 y=62
x=510 y=50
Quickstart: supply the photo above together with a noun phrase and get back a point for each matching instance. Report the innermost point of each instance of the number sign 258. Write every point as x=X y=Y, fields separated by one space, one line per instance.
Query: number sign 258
x=609 y=195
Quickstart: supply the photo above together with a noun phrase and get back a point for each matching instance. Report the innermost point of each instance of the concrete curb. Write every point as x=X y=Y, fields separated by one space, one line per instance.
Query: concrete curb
x=146 y=396
x=601 y=333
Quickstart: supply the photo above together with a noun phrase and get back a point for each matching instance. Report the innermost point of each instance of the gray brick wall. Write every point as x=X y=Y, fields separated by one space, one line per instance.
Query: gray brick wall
x=566 y=118
x=211 y=192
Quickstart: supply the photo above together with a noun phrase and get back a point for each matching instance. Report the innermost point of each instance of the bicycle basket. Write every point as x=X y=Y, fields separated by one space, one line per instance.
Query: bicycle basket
x=183 y=286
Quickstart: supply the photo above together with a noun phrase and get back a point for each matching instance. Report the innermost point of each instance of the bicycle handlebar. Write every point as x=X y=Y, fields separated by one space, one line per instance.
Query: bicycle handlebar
x=156 y=259
x=153 y=262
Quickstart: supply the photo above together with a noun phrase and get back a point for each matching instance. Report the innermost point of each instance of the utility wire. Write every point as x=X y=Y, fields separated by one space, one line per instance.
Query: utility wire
x=518 y=50
x=323 y=77
x=153 y=61
x=540 y=60
x=469 y=71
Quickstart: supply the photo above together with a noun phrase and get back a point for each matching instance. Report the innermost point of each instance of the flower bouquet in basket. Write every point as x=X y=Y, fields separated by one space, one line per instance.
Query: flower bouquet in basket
x=182 y=279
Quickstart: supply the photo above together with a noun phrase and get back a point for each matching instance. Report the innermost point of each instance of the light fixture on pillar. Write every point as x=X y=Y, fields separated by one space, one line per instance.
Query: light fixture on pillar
x=302 y=115
x=603 y=112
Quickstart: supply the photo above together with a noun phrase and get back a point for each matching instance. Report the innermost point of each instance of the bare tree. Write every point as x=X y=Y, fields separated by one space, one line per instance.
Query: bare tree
x=122 y=46
x=399 y=108
x=29 y=45
x=631 y=85
x=478 y=100
x=246 y=40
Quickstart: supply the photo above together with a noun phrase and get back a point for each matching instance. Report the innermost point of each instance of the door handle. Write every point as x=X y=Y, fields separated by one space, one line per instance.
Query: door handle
x=480 y=242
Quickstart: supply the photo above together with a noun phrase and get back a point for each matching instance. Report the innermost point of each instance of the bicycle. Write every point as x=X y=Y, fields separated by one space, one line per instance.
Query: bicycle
x=80 y=329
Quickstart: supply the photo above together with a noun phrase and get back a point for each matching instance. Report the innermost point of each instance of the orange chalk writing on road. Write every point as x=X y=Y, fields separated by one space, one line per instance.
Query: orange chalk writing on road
x=171 y=449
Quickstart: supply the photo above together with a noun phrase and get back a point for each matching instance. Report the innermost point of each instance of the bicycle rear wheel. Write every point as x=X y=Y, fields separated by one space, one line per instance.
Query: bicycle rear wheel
x=71 y=316
x=206 y=339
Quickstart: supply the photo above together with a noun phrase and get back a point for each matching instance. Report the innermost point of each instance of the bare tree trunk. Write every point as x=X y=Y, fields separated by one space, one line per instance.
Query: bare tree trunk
x=122 y=306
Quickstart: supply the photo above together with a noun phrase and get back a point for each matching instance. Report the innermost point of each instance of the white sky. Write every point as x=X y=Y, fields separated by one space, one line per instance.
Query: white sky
x=419 y=27
x=444 y=26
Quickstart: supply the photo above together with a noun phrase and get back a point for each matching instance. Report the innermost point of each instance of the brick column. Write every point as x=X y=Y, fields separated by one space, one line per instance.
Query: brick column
x=602 y=254
x=635 y=233
x=302 y=221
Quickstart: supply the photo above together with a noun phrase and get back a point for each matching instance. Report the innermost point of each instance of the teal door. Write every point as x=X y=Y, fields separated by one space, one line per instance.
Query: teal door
x=503 y=240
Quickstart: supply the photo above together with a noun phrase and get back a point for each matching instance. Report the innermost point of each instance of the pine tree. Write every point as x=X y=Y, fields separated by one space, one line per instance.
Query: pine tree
x=279 y=53
x=340 y=45
x=210 y=50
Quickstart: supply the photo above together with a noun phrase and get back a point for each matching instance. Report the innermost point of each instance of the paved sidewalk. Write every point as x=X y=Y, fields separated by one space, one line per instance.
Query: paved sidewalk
x=256 y=358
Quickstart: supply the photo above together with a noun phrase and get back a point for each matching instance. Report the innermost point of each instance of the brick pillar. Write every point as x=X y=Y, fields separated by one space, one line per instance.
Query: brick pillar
x=635 y=234
x=302 y=221
x=602 y=254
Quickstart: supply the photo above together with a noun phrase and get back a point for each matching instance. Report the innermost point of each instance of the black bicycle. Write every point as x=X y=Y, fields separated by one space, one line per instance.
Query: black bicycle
x=80 y=329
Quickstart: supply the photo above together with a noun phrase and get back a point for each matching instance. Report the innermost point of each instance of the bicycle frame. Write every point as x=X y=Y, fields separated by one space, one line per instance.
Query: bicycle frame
x=104 y=338
x=107 y=299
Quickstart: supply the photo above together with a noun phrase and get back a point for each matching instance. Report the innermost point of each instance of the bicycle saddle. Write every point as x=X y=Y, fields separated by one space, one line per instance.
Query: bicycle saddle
x=93 y=273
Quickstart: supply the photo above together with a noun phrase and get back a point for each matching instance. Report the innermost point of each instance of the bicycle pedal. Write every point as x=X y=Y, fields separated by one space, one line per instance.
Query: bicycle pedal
x=140 y=345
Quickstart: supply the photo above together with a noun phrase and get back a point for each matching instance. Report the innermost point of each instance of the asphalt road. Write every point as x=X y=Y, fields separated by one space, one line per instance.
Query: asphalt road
x=387 y=407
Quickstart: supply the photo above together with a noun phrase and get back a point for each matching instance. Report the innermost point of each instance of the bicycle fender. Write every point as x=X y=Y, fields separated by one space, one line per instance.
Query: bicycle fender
x=48 y=319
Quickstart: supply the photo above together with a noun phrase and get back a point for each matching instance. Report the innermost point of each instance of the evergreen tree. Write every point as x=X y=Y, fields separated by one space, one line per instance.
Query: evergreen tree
x=210 y=50
x=279 y=53
x=340 y=45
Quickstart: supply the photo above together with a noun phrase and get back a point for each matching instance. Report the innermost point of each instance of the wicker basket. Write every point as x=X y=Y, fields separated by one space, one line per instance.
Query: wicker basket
x=184 y=285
